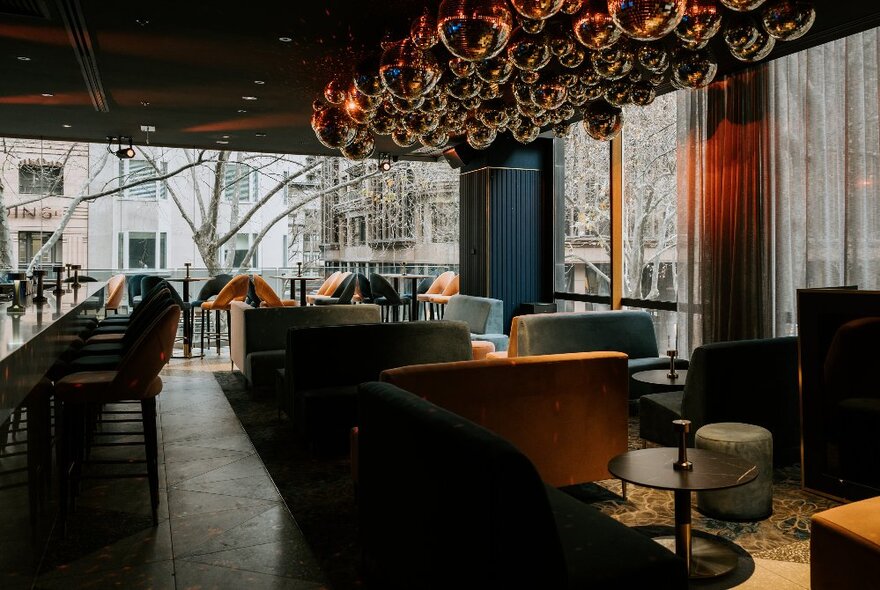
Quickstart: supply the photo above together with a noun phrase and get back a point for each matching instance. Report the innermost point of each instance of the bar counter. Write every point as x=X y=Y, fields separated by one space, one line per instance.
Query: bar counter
x=31 y=341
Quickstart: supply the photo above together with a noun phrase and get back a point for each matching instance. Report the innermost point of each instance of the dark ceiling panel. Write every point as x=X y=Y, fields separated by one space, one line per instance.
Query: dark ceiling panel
x=185 y=69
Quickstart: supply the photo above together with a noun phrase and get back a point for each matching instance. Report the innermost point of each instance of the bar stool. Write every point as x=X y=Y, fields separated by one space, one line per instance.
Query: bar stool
x=443 y=298
x=234 y=289
x=115 y=293
x=136 y=379
x=436 y=288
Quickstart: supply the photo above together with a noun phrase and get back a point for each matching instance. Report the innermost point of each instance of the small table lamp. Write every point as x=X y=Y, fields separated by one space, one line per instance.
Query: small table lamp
x=17 y=305
x=39 y=297
x=59 y=285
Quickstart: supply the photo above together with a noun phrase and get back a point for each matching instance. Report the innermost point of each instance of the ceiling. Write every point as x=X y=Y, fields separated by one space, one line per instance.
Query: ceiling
x=93 y=71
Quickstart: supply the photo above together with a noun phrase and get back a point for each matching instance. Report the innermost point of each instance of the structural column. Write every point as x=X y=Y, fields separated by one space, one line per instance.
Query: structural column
x=508 y=202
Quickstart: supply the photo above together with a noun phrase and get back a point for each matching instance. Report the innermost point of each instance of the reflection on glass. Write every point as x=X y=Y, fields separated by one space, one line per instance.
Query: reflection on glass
x=587 y=215
x=649 y=200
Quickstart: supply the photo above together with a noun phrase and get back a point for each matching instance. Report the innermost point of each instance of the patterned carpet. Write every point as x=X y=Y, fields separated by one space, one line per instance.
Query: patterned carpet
x=319 y=495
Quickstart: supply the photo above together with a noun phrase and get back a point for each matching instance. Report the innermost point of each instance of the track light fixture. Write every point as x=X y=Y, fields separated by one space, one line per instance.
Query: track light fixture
x=123 y=153
x=385 y=161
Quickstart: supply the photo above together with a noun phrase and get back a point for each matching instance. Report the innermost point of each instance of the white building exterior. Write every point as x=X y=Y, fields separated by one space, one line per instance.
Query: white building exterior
x=143 y=228
x=40 y=180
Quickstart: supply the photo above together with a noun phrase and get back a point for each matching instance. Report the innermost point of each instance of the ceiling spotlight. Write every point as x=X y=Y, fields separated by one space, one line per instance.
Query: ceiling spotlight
x=221 y=141
x=123 y=153
x=249 y=98
x=384 y=162
x=47 y=94
x=285 y=39
x=23 y=58
x=259 y=135
x=259 y=82
x=67 y=125
x=242 y=110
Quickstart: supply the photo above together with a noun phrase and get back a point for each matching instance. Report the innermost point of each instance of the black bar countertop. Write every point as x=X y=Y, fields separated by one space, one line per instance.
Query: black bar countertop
x=31 y=341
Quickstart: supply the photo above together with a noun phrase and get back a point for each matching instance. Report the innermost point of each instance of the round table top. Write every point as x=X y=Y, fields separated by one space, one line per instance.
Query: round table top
x=661 y=377
x=188 y=279
x=297 y=277
x=653 y=468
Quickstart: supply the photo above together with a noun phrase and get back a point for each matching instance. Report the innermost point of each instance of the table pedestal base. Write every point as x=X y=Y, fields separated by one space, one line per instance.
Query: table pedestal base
x=709 y=558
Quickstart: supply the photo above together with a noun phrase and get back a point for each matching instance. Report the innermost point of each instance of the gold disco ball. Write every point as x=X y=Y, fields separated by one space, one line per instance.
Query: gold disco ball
x=603 y=121
x=423 y=32
x=463 y=88
x=571 y=7
x=474 y=29
x=419 y=123
x=495 y=71
x=361 y=148
x=653 y=58
x=336 y=91
x=593 y=25
x=537 y=9
x=366 y=77
x=532 y=27
x=402 y=137
x=642 y=93
x=407 y=71
x=617 y=93
x=614 y=69
x=529 y=52
x=333 y=127
x=435 y=139
x=646 y=20
x=383 y=122
x=574 y=59
x=694 y=69
x=479 y=136
x=742 y=5
x=549 y=94
x=788 y=19
x=526 y=131
x=756 y=50
x=561 y=130
x=700 y=22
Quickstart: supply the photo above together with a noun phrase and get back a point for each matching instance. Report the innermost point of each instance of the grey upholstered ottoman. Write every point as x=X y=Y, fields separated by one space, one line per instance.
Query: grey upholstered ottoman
x=754 y=500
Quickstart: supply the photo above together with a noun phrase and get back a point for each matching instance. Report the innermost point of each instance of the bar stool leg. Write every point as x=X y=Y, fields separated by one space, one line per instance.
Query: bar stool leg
x=151 y=448
x=217 y=328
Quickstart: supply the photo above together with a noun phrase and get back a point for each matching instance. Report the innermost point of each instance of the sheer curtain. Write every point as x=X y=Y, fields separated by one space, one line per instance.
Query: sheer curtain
x=778 y=189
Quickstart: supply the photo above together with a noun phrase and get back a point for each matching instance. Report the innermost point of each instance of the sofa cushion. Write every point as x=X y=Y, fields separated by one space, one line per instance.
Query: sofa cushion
x=500 y=341
x=601 y=552
x=260 y=368
x=630 y=332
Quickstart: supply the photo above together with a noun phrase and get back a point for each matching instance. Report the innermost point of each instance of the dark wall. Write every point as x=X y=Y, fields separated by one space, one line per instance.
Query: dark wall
x=506 y=223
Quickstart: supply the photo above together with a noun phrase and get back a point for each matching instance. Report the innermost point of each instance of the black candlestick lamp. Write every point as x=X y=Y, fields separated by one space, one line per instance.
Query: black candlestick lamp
x=59 y=285
x=17 y=305
x=76 y=268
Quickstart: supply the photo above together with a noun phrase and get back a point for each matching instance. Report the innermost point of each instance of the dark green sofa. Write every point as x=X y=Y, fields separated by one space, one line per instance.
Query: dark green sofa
x=324 y=365
x=444 y=503
x=751 y=381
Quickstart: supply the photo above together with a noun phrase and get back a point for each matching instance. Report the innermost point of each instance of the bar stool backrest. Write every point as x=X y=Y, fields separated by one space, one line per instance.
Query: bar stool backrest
x=329 y=282
x=451 y=287
x=134 y=288
x=115 y=291
x=237 y=287
x=148 y=355
x=382 y=288
x=266 y=293
x=213 y=287
x=440 y=283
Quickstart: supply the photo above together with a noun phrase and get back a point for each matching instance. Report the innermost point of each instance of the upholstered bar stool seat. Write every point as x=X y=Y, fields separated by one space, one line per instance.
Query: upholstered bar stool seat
x=845 y=547
x=753 y=501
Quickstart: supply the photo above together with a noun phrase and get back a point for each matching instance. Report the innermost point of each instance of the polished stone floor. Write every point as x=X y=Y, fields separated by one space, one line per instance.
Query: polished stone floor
x=222 y=521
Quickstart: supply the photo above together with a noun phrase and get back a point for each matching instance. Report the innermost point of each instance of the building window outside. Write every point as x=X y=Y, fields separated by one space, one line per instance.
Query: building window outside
x=239 y=180
x=143 y=250
x=243 y=243
x=587 y=235
x=40 y=179
x=30 y=242
x=131 y=171
x=650 y=200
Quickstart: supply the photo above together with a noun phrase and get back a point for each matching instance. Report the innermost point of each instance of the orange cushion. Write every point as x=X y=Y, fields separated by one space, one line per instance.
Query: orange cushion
x=265 y=292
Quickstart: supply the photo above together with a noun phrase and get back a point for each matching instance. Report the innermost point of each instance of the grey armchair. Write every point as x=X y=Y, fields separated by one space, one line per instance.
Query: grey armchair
x=483 y=315
x=751 y=381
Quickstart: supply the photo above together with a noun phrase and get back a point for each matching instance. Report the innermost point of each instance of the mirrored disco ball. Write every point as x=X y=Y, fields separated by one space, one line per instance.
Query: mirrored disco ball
x=479 y=136
x=742 y=5
x=694 y=69
x=642 y=93
x=603 y=121
x=423 y=32
x=593 y=26
x=701 y=21
x=646 y=20
x=529 y=52
x=788 y=19
x=402 y=137
x=756 y=50
x=571 y=6
x=333 y=127
x=336 y=91
x=474 y=29
x=361 y=148
x=537 y=9
x=526 y=131
x=653 y=58
x=496 y=70
x=435 y=139
x=366 y=77
x=407 y=71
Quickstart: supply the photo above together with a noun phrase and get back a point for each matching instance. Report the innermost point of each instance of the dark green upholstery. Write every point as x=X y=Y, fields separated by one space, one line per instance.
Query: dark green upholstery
x=483 y=315
x=444 y=503
x=630 y=332
x=133 y=282
x=324 y=365
x=751 y=381
x=260 y=334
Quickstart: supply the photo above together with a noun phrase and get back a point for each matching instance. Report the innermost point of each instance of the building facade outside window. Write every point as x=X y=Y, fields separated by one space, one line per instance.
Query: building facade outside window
x=143 y=250
x=131 y=171
x=30 y=242
x=40 y=179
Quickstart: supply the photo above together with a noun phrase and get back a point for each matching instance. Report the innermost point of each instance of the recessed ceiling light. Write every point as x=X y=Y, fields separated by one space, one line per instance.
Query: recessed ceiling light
x=225 y=136
x=145 y=103
x=260 y=134
x=23 y=58
x=67 y=126
x=242 y=110
x=142 y=21
x=260 y=82
x=222 y=142
x=285 y=39
x=47 y=94
x=249 y=98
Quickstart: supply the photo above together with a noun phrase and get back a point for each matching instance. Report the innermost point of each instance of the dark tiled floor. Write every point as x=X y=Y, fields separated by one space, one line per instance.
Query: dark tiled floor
x=222 y=521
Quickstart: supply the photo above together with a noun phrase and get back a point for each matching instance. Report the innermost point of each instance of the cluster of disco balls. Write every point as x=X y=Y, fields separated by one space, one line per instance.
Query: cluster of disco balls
x=484 y=67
